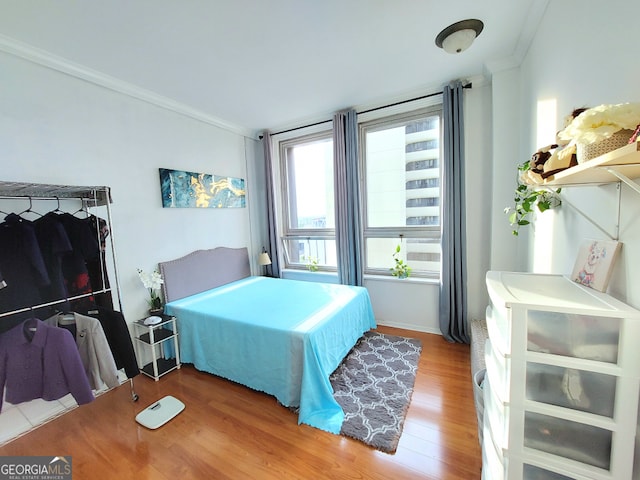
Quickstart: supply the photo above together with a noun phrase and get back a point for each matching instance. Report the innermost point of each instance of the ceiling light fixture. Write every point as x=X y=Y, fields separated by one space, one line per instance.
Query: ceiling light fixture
x=458 y=37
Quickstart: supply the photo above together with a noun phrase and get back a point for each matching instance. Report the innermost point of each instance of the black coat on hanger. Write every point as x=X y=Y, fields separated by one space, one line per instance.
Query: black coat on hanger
x=23 y=267
x=118 y=337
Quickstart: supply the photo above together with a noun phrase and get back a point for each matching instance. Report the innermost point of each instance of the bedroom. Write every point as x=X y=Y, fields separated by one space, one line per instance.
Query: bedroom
x=579 y=55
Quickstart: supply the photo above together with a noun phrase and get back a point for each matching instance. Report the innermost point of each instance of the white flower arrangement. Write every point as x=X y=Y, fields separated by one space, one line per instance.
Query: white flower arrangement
x=152 y=282
x=601 y=122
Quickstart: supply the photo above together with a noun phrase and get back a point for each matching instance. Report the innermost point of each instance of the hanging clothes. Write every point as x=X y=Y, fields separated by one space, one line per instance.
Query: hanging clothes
x=23 y=268
x=54 y=246
x=74 y=265
x=41 y=272
x=40 y=361
x=119 y=339
x=97 y=266
x=95 y=354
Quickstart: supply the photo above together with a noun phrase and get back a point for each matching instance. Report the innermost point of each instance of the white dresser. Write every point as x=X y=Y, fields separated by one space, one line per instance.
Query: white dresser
x=562 y=382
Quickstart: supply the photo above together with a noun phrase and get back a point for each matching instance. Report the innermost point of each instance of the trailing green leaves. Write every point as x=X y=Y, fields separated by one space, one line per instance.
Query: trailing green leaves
x=400 y=268
x=527 y=198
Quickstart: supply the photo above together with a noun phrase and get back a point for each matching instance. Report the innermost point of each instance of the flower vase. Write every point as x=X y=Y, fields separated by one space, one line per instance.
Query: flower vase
x=156 y=312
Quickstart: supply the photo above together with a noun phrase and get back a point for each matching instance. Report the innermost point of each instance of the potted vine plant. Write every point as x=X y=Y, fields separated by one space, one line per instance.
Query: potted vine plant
x=527 y=199
x=401 y=269
x=312 y=263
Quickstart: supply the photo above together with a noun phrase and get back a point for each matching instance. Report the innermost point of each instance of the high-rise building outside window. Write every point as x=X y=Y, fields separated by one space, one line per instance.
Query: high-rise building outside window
x=309 y=207
x=400 y=179
x=400 y=158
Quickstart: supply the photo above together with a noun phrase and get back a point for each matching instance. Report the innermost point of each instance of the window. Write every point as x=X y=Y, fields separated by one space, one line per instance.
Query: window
x=400 y=161
x=400 y=196
x=306 y=165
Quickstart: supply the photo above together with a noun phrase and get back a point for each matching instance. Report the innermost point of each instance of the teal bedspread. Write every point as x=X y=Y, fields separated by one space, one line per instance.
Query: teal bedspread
x=282 y=337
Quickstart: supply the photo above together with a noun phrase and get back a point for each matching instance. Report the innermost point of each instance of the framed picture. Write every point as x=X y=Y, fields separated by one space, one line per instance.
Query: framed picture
x=594 y=263
x=181 y=189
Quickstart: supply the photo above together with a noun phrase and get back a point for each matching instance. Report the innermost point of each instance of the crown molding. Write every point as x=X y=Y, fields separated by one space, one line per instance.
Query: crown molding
x=63 y=65
x=527 y=34
x=496 y=66
x=530 y=28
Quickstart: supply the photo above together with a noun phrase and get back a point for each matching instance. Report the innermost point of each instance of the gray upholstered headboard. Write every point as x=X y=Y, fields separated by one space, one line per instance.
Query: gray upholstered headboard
x=203 y=270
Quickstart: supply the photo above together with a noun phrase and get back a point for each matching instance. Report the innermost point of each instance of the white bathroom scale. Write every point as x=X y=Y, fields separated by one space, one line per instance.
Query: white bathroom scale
x=160 y=412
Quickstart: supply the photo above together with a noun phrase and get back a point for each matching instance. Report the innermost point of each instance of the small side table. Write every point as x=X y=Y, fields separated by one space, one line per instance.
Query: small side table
x=152 y=339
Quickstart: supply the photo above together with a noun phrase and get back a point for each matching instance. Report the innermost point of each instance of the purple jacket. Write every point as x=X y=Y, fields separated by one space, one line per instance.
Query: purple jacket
x=42 y=364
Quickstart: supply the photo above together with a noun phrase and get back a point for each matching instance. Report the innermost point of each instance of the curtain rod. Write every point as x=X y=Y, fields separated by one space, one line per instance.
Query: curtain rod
x=468 y=85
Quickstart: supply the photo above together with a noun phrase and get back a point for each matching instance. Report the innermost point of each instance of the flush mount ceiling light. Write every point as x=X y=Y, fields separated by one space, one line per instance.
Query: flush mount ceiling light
x=458 y=37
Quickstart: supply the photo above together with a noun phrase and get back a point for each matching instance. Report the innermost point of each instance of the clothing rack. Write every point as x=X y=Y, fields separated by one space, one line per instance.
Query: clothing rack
x=90 y=196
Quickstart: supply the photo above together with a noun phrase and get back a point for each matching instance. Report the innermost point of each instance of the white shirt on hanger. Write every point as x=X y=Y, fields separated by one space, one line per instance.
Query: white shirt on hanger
x=94 y=350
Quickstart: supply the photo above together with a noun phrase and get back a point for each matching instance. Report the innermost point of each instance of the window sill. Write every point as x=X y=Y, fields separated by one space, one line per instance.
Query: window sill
x=295 y=274
x=388 y=278
x=331 y=277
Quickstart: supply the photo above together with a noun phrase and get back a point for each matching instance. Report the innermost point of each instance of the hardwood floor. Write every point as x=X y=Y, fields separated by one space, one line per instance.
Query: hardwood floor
x=228 y=431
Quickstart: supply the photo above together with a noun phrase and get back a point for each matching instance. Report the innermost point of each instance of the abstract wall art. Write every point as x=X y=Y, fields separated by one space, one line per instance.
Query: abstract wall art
x=182 y=189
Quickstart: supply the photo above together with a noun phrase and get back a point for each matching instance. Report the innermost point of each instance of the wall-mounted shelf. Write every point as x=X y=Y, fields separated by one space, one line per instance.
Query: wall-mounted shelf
x=622 y=164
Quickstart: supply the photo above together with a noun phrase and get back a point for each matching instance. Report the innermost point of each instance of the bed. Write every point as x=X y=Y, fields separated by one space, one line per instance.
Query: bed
x=282 y=337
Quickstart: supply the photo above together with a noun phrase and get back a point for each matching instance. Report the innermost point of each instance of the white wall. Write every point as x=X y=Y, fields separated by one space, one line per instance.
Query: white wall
x=479 y=154
x=581 y=57
x=58 y=129
x=506 y=139
x=413 y=304
x=119 y=141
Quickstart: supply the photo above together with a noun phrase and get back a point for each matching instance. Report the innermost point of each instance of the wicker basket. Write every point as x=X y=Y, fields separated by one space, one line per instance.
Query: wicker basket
x=586 y=152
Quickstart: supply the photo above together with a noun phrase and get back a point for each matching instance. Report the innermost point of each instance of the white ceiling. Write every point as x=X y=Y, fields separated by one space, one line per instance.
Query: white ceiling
x=256 y=64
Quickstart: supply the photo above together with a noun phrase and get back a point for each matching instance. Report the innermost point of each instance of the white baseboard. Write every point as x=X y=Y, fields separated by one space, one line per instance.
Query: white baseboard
x=407 y=326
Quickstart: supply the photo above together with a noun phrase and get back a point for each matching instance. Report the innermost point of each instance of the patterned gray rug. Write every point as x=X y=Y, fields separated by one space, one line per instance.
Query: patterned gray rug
x=373 y=385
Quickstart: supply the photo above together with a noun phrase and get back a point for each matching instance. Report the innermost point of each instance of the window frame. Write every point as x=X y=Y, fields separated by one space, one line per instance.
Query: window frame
x=431 y=233
x=287 y=232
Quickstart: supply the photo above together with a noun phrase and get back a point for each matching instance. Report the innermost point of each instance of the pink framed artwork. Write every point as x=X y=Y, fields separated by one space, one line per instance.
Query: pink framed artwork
x=595 y=262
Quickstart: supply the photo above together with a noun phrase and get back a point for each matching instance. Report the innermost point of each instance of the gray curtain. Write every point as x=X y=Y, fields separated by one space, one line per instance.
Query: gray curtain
x=272 y=247
x=345 y=154
x=453 y=278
